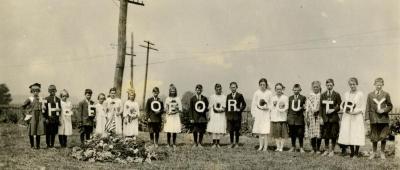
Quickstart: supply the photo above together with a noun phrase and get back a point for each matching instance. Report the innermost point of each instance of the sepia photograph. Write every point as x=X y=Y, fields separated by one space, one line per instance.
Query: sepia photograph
x=189 y=84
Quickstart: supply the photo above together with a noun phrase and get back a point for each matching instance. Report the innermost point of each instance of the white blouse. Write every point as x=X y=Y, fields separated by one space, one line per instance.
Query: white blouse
x=279 y=108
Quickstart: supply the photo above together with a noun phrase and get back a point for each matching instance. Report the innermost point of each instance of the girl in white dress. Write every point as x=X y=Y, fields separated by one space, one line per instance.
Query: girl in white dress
x=260 y=110
x=280 y=106
x=130 y=116
x=352 y=130
x=173 y=106
x=114 y=109
x=217 y=123
x=65 y=128
x=101 y=115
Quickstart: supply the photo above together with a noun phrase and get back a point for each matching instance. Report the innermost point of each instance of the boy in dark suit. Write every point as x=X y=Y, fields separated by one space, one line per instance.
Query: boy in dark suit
x=330 y=106
x=377 y=115
x=295 y=117
x=51 y=114
x=86 y=112
x=235 y=105
x=154 y=109
x=198 y=115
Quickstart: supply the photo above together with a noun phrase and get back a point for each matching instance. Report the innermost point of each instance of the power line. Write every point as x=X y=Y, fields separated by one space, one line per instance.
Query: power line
x=277 y=50
x=121 y=52
x=187 y=58
x=148 y=47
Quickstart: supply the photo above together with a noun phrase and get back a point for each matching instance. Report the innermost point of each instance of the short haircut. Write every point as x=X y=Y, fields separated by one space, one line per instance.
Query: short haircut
x=353 y=79
x=199 y=86
x=88 y=91
x=156 y=89
x=113 y=89
x=233 y=83
x=52 y=87
x=217 y=85
x=297 y=86
x=379 y=79
x=330 y=81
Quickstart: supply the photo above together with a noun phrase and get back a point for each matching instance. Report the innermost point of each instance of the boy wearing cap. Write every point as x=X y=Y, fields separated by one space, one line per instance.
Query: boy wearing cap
x=34 y=116
x=87 y=112
x=52 y=114
x=154 y=109
x=198 y=115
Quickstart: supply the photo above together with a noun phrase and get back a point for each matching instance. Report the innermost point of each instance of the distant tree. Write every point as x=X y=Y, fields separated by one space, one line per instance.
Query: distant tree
x=185 y=107
x=5 y=96
x=186 y=99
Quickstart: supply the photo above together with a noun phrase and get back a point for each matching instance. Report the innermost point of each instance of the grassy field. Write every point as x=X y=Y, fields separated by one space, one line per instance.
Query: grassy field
x=15 y=153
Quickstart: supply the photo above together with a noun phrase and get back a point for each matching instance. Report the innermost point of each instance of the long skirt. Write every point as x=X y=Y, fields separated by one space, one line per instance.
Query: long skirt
x=352 y=130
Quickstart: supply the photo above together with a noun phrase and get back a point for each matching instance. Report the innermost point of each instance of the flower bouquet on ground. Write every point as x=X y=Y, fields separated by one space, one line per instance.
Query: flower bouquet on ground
x=116 y=149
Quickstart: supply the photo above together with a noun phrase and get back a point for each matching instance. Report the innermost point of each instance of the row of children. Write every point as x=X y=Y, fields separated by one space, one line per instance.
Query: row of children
x=51 y=115
x=315 y=116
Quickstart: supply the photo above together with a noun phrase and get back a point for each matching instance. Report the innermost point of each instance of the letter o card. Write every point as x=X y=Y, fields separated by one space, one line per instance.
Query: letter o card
x=155 y=106
x=262 y=104
x=200 y=106
x=218 y=106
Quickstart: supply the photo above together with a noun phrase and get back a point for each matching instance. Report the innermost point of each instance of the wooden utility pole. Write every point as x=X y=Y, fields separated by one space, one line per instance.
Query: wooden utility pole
x=119 y=70
x=147 y=68
x=132 y=54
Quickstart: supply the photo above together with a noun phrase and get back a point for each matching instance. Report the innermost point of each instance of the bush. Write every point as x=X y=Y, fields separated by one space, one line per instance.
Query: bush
x=185 y=120
x=394 y=126
x=7 y=116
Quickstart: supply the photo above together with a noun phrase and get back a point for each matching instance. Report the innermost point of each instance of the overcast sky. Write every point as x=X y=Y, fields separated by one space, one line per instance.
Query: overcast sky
x=70 y=43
